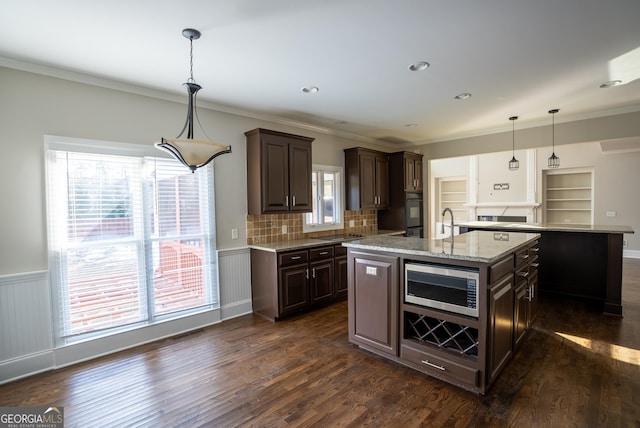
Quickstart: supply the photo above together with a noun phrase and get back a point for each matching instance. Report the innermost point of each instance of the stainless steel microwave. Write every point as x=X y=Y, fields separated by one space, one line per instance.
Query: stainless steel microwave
x=449 y=288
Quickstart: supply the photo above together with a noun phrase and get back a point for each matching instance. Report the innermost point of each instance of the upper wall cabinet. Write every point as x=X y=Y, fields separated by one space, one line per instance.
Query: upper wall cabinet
x=278 y=172
x=412 y=171
x=367 y=179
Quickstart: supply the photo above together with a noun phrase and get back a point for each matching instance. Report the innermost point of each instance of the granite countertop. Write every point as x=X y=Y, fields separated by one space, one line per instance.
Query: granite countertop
x=542 y=227
x=477 y=246
x=316 y=242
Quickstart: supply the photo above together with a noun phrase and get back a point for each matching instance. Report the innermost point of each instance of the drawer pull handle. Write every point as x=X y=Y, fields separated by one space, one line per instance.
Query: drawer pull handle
x=523 y=274
x=324 y=253
x=526 y=256
x=296 y=257
x=435 y=366
x=536 y=249
x=535 y=265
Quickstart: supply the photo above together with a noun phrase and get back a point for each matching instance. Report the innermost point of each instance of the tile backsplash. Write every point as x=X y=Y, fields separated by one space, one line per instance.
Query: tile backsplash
x=263 y=229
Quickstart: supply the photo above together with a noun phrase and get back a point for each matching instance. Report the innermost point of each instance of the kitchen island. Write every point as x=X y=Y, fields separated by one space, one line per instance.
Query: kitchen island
x=576 y=260
x=462 y=347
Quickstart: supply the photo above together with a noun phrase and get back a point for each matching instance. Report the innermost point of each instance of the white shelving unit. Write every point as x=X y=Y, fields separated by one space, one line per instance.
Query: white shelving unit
x=568 y=196
x=453 y=195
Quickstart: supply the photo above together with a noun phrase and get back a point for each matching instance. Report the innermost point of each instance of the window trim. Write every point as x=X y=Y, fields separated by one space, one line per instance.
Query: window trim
x=339 y=186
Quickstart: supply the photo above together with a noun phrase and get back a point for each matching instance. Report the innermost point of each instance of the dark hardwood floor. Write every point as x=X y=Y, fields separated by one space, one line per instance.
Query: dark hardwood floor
x=577 y=368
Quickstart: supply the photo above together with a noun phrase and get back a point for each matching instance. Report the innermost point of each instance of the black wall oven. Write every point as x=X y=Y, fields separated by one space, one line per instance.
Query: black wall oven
x=413 y=215
x=449 y=288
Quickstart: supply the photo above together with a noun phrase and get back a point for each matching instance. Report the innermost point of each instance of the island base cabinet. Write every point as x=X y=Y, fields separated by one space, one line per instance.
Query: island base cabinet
x=373 y=302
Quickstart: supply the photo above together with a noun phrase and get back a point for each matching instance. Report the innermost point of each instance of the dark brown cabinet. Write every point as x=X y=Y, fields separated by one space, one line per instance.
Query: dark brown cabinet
x=278 y=172
x=412 y=171
x=373 y=302
x=500 y=332
x=286 y=282
x=464 y=350
x=367 y=178
x=293 y=290
x=321 y=267
x=340 y=271
x=405 y=195
x=526 y=297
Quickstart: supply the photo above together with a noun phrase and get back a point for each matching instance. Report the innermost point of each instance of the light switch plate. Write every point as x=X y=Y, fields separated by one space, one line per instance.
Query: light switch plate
x=284 y=229
x=611 y=213
x=234 y=233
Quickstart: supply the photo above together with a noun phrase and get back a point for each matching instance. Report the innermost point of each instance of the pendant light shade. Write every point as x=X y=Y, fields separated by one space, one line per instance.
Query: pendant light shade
x=553 y=161
x=513 y=163
x=191 y=152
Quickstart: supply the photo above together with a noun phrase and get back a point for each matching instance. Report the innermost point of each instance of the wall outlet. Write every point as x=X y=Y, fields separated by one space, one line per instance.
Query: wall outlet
x=234 y=233
x=364 y=222
x=284 y=229
x=352 y=223
x=625 y=243
x=611 y=213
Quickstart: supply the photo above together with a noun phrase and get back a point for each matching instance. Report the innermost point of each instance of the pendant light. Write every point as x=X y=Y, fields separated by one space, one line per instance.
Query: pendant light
x=553 y=161
x=513 y=163
x=191 y=152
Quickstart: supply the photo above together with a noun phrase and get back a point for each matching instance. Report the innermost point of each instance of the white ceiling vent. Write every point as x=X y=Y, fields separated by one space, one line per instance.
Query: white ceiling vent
x=620 y=145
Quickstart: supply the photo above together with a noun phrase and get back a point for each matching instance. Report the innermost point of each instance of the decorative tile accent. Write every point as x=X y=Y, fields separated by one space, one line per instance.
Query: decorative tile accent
x=263 y=229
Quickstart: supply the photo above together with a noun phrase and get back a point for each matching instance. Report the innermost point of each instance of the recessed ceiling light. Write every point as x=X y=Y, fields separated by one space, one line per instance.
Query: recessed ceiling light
x=463 y=96
x=419 y=66
x=310 y=89
x=411 y=125
x=341 y=122
x=611 y=83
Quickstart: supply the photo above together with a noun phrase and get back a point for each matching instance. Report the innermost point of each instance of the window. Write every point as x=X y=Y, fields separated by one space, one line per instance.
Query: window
x=326 y=185
x=131 y=238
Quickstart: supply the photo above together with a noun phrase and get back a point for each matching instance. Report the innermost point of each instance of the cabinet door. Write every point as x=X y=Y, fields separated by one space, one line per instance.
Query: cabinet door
x=412 y=173
x=300 y=177
x=521 y=313
x=368 y=186
x=500 y=326
x=418 y=174
x=321 y=281
x=275 y=175
x=382 y=181
x=373 y=301
x=293 y=286
x=532 y=296
x=340 y=278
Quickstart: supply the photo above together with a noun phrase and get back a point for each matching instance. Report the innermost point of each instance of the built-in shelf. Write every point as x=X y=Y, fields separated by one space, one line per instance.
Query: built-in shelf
x=452 y=194
x=568 y=196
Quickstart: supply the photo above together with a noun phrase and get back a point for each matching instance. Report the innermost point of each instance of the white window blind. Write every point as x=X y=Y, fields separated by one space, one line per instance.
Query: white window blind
x=130 y=240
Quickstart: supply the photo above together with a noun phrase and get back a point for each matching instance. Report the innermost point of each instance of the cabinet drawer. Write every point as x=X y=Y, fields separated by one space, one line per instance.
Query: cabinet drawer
x=522 y=256
x=293 y=257
x=320 y=253
x=500 y=269
x=522 y=273
x=533 y=265
x=440 y=366
x=534 y=250
x=339 y=250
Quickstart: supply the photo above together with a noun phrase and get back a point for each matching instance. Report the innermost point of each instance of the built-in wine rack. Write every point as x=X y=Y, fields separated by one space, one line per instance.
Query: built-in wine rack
x=458 y=338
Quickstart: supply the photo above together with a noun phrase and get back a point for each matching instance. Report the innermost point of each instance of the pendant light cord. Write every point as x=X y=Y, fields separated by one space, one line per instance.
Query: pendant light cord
x=191 y=79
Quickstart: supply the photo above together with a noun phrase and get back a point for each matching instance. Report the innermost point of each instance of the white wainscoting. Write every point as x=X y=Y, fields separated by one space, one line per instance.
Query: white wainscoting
x=234 y=267
x=26 y=329
x=26 y=340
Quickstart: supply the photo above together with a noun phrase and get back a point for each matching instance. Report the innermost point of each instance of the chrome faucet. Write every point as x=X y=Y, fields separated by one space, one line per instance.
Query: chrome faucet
x=443 y=213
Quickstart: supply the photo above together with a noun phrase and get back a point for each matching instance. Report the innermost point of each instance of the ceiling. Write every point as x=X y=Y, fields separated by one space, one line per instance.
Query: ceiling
x=516 y=57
